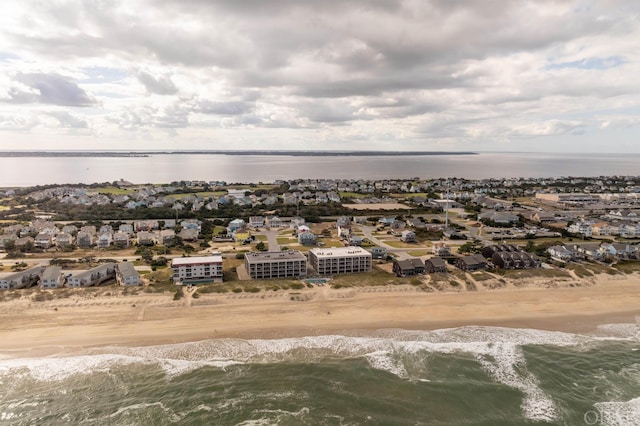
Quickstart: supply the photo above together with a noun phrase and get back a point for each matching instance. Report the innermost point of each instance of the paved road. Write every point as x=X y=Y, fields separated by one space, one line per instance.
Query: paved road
x=272 y=239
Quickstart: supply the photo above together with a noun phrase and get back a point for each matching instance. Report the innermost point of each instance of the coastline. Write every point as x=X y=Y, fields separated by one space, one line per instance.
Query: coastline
x=65 y=326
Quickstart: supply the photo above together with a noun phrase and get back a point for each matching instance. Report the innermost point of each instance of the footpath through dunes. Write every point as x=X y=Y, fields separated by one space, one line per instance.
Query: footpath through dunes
x=146 y=319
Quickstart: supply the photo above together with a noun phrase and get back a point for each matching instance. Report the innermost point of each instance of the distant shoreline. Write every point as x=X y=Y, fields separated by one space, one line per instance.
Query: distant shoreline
x=218 y=152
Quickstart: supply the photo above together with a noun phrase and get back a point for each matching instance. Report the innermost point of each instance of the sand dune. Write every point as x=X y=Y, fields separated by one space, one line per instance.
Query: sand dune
x=58 y=326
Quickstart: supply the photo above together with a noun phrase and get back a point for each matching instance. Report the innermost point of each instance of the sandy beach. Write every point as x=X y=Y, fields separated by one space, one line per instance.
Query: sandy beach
x=59 y=326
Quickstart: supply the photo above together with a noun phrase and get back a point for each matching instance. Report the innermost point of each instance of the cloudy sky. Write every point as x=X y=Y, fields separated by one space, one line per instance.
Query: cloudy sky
x=509 y=75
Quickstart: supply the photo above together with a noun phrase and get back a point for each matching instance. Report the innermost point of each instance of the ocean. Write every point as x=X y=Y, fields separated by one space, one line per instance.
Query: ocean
x=166 y=168
x=462 y=376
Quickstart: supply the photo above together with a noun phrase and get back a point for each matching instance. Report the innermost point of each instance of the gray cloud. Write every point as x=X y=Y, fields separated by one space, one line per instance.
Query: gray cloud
x=51 y=89
x=160 y=85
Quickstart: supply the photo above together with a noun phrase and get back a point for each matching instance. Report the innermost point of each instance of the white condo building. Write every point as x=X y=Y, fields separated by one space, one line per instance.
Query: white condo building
x=199 y=269
x=340 y=260
x=279 y=264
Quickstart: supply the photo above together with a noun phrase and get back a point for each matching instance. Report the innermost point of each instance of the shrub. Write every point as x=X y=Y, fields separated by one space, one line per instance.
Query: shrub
x=179 y=294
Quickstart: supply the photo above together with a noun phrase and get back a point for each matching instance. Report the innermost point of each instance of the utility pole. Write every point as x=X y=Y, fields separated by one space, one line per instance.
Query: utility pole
x=446 y=208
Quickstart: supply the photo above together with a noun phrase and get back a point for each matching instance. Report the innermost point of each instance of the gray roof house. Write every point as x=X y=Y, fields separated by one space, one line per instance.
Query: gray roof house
x=52 y=277
x=126 y=274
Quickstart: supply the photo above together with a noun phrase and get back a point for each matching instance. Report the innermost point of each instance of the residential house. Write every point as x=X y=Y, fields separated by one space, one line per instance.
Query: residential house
x=52 y=277
x=397 y=226
x=515 y=260
x=92 y=277
x=256 y=222
x=85 y=239
x=435 y=265
x=167 y=237
x=306 y=237
x=126 y=274
x=403 y=268
x=378 y=252
x=297 y=221
x=441 y=249
x=24 y=243
x=188 y=234
x=416 y=223
x=22 y=279
x=471 y=263
x=105 y=240
x=560 y=253
x=146 y=238
x=590 y=250
x=43 y=240
x=408 y=236
x=64 y=239
x=70 y=229
x=126 y=228
x=274 y=222
x=121 y=239
x=356 y=240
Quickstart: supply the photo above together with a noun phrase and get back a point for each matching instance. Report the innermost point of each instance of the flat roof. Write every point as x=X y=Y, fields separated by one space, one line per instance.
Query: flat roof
x=340 y=251
x=217 y=258
x=274 y=256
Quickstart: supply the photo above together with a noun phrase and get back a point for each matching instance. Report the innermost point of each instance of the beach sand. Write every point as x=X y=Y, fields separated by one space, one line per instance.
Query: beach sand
x=30 y=328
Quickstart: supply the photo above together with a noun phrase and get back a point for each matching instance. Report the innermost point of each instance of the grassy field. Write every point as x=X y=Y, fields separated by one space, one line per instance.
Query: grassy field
x=199 y=194
x=628 y=267
x=417 y=253
x=400 y=244
x=374 y=278
x=112 y=190
x=533 y=273
x=352 y=195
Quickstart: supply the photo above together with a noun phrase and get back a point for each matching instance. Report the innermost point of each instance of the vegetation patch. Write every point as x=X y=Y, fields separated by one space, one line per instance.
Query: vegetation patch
x=628 y=266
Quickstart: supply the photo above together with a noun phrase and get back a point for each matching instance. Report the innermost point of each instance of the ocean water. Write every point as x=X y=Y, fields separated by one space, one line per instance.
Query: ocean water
x=165 y=168
x=463 y=376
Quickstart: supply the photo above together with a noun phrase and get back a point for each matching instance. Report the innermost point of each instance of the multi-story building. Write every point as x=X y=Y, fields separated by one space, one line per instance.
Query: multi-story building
x=93 y=277
x=340 y=260
x=127 y=275
x=278 y=264
x=199 y=269
x=52 y=277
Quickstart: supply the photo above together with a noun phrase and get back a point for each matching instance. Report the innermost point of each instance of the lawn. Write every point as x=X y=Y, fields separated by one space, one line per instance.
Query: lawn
x=353 y=195
x=417 y=253
x=400 y=244
x=113 y=190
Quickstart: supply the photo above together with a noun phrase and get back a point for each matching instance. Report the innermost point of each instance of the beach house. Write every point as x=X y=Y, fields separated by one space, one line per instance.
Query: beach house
x=126 y=274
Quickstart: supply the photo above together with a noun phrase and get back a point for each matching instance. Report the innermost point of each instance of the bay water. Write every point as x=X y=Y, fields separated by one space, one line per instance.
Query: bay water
x=166 y=168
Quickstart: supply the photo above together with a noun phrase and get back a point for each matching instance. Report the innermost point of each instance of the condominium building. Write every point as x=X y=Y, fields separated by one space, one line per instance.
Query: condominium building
x=200 y=269
x=93 y=277
x=340 y=260
x=277 y=264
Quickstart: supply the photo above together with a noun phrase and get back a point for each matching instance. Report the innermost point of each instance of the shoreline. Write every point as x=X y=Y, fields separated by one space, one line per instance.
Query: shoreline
x=66 y=326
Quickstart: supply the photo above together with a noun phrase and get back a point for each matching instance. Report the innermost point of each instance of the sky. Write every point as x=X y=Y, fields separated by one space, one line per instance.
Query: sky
x=435 y=75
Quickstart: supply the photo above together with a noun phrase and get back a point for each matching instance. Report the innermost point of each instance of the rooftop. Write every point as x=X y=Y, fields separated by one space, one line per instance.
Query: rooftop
x=216 y=258
x=275 y=255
